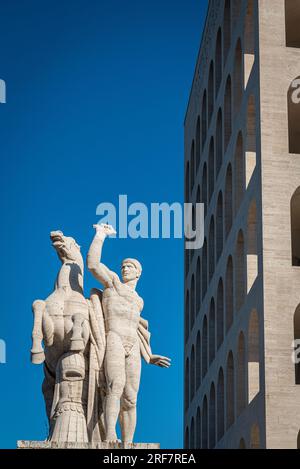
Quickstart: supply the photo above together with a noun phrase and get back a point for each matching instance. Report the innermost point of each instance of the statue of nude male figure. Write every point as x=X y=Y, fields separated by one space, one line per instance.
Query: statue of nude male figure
x=122 y=363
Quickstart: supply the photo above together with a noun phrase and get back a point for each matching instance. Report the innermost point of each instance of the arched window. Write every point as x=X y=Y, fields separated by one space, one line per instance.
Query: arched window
x=204 y=119
x=187 y=182
x=253 y=356
x=211 y=93
x=198 y=144
x=249 y=42
x=230 y=391
x=192 y=305
x=241 y=375
x=187 y=384
x=192 y=437
x=238 y=78
x=240 y=287
x=239 y=172
x=292 y=21
x=204 y=347
x=294 y=116
x=297 y=337
x=220 y=405
x=198 y=361
x=192 y=373
x=242 y=444
x=227 y=29
x=229 y=294
x=198 y=286
x=212 y=331
x=198 y=429
x=186 y=438
x=204 y=188
x=252 y=257
x=220 y=314
x=204 y=269
x=218 y=61
x=228 y=113
x=255 y=437
x=187 y=313
x=211 y=248
x=219 y=142
x=192 y=166
x=228 y=201
x=204 y=424
x=219 y=226
x=211 y=169
x=212 y=417
x=250 y=159
x=295 y=228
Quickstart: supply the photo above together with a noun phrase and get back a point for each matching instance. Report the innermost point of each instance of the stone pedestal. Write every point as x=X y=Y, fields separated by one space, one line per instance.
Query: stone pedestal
x=23 y=444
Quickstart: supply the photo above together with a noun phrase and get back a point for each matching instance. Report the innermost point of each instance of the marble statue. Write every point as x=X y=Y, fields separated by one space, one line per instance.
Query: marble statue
x=92 y=347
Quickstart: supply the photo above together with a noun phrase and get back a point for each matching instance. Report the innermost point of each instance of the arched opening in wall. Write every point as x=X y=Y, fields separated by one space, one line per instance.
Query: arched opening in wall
x=192 y=437
x=220 y=406
x=218 y=61
x=186 y=261
x=192 y=373
x=242 y=444
x=211 y=93
x=219 y=240
x=204 y=424
x=252 y=256
x=219 y=143
x=204 y=269
x=211 y=169
x=227 y=113
x=212 y=331
x=229 y=294
x=198 y=361
x=198 y=429
x=211 y=248
x=228 y=201
x=198 y=144
x=240 y=271
x=250 y=159
x=297 y=337
x=255 y=437
x=212 y=417
x=253 y=356
x=295 y=228
x=249 y=42
x=204 y=347
x=298 y=441
x=292 y=21
x=227 y=29
x=187 y=182
x=198 y=286
x=187 y=384
x=204 y=119
x=238 y=78
x=241 y=375
x=186 y=438
x=192 y=166
x=204 y=188
x=220 y=314
x=294 y=116
x=187 y=315
x=239 y=172
x=192 y=304
x=230 y=391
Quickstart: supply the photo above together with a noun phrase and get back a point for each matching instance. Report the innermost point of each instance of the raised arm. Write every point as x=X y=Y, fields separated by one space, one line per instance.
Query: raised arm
x=97 y=269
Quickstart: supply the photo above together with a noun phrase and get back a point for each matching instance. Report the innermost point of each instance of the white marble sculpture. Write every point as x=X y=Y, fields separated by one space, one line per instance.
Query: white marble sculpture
x=92 y=347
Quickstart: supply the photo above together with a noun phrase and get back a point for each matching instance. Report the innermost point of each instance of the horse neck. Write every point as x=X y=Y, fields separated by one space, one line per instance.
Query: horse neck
x=70 y=276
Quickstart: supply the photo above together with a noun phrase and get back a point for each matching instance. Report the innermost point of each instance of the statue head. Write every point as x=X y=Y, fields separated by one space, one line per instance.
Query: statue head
x=131 y=269
x=66 y=247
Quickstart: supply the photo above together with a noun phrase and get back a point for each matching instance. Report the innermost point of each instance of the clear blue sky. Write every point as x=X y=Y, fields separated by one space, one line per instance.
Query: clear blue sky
x=96 y=97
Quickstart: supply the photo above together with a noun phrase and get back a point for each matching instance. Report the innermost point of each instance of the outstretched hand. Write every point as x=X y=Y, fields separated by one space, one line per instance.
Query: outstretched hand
x=104 y=229
x=161 y=361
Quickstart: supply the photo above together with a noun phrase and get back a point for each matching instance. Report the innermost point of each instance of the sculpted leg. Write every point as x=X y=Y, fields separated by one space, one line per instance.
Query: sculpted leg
x=115 y=379
x=129 y=398
x=37 y=352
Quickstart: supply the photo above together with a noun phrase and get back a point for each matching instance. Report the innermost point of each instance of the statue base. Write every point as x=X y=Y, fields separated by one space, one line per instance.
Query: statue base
x=23 y=444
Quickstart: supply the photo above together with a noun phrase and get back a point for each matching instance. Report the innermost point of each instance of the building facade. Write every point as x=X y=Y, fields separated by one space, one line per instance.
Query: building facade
x=242 y=288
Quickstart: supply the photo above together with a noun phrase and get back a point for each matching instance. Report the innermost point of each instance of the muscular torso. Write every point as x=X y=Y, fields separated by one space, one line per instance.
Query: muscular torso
x=122 y=307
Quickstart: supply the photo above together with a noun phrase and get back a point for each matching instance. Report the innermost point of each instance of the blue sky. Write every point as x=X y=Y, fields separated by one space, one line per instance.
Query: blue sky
x=96 y=97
